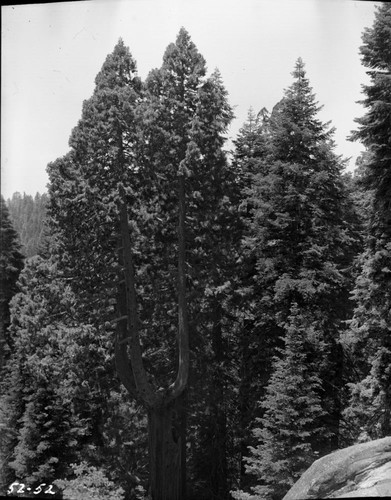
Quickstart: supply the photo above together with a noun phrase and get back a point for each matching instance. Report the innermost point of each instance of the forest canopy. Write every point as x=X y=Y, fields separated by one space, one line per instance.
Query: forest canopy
x=179 y=321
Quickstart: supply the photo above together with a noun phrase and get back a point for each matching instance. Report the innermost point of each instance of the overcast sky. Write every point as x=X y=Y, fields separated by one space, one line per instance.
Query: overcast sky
x=51 y=54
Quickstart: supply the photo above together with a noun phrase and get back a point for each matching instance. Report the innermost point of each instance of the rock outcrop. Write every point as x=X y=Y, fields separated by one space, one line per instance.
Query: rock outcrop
x=362 y=470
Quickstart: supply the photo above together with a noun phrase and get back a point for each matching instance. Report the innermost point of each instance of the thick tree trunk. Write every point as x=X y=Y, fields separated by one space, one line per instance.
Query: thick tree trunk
x=166 y=429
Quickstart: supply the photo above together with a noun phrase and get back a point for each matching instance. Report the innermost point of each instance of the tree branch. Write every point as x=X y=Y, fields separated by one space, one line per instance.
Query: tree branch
x=144 y=390
x=183 y=329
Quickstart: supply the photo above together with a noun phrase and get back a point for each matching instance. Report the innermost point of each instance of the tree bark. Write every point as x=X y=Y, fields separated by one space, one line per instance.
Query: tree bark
x=167 y=422
x=166 y=430
x=183 y=329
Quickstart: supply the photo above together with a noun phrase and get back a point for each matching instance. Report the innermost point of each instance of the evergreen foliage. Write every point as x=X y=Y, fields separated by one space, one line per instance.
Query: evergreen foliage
x=32 y=382
x=289 y=432
x=195 y=109
x=11 y=263
x=85 y=182
x=28 y=216
x=90 y=484
x=172 y=127
x=251 y=349
x=369 y=410
x=62 y=403
x=217 y=292
x=213 y=229
x=303 y=243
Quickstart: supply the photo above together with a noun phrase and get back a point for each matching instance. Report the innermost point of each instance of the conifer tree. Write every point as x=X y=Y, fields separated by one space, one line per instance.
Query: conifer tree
x=61 y=403
x=11 y=263
x=144 y=182
x=28 y=217
x=303 y=244
x=43 y=430
x=85 y=181
x=370 y=405
x=248 y=158
x=185 y=118
x=290 y=428
x=250 y=146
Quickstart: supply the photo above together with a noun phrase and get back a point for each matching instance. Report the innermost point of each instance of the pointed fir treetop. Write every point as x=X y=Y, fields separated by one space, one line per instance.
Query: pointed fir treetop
x=375 y=126
x=250 y=142
x=300 y=100
x=376 y=51
x=296 y=132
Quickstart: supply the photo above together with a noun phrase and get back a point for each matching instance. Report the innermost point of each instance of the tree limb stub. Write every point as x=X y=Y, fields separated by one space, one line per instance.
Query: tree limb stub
x=121 y=318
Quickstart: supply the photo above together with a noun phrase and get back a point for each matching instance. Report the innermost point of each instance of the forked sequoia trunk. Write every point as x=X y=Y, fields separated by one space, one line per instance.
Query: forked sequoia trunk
x=166 y=410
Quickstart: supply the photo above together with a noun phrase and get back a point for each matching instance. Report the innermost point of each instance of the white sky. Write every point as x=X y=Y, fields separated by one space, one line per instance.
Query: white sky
x=51 y=54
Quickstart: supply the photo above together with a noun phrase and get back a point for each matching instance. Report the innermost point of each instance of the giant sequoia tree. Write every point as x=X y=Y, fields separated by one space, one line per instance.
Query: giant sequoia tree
x=145 y=178
x=370 y=407
x=185 y=118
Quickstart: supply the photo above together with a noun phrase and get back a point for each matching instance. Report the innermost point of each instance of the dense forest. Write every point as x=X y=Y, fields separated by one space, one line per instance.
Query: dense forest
x=182 y=322
x=27 y=215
